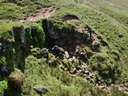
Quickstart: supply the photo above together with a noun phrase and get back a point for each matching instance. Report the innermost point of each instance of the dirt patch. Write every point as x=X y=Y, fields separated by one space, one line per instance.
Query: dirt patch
x=42 y=13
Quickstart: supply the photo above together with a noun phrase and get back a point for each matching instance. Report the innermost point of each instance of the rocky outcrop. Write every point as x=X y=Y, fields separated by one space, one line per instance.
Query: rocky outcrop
x=71 y=38
x=67 y=45
x=20 y=44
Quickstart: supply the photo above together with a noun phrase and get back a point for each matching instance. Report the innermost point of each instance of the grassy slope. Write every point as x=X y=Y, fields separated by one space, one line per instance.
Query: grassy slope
x=110 y=28
x=100 y=26
x=104 y=19
x=59 y=83
x=115 y=13
x=114 y=8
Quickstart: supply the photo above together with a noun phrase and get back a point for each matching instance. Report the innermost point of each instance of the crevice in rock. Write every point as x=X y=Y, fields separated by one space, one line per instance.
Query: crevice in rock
x=70 y=17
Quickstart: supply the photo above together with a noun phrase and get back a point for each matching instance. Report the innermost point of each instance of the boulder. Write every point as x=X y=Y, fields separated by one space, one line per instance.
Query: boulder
x=40 y=90
x=58 y=51
x=66 y=54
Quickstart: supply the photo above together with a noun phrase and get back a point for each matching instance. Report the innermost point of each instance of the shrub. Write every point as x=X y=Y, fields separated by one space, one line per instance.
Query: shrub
x=105 y=68
x=3 y=86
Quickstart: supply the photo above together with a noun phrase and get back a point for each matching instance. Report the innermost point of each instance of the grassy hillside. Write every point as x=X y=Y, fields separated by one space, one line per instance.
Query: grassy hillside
x=114 y=8
x=108 y=19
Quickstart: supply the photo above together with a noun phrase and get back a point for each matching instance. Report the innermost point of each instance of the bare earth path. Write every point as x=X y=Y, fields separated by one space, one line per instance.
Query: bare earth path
x=41 y=13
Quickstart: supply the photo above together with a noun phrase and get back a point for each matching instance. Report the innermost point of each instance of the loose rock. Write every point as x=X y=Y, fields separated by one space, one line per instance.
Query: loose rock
x=58 y=51
x=44 y=52
x=40 y=90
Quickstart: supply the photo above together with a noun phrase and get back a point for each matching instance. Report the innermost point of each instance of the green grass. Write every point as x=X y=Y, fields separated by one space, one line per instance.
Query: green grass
x=10 y=11
x=15 y=11
x=108 y=19
x=58 y=82
x=110 y=28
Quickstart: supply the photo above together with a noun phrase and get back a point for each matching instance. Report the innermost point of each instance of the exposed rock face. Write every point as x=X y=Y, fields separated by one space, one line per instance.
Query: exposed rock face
x=73 y=44
x=69 y=47
x=19 y=34
x=71 y=38
x=4 y=46
x=20 y=43
x=24 y=39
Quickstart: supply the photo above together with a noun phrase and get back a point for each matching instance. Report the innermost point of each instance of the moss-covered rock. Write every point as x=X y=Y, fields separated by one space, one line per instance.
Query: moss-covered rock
x=15 y=79
x=15 y=82
x=38 y=35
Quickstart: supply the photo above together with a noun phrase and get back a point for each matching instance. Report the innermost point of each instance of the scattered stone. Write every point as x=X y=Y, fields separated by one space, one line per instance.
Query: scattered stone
x=40 y=90
x=100 y=82
x=83 y=56
x=66 y=54
x=86 y=72
x=96 y=46
x=121 y=35
x=73 y=60
x=123 y=88
x=52 y=60
x=44 y=52
x=58 y=51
